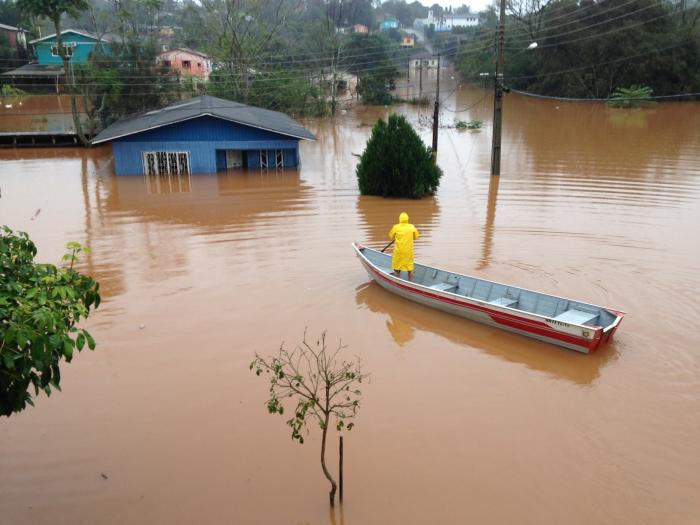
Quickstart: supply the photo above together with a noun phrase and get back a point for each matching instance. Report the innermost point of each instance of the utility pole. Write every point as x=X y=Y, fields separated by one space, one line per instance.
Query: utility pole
x=436 y=111
x=408 y=76
x=420 y=81
x=498 y=96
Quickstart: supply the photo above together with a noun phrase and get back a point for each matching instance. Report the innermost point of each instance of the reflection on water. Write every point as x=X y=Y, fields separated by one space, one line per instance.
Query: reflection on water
x=168 y=182
x=487 y=245
x=404 y=320
x=224 y=199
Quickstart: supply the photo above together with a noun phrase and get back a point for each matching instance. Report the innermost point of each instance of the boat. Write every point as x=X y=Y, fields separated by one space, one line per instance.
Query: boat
x=557 y=320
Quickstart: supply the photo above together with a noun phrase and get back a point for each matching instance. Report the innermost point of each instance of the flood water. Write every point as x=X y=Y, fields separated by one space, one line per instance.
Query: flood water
x=461 y=423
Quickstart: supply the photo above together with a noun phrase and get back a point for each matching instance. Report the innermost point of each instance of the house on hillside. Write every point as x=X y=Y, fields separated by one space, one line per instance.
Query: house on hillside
x=423 y=60
x=389 y=24
x=186 y=62
x=48 y=69
x=203 y=135
x=446 y=22
x=360 y=28
x=78 y=43
x=408 y=41
x=16 y=39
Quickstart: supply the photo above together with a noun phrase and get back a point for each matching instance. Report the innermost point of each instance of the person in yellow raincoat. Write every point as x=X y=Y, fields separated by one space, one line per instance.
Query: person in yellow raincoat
x=403 y=233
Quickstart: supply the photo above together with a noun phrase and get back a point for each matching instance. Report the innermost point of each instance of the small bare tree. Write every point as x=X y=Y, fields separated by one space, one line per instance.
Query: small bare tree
x=323 y=386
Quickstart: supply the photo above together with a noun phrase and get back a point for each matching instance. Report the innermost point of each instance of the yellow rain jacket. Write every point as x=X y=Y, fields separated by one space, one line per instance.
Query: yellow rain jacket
x=404 y=234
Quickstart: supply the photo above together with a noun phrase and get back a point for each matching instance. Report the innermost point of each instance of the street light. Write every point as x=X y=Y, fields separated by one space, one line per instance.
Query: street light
x=499 y=89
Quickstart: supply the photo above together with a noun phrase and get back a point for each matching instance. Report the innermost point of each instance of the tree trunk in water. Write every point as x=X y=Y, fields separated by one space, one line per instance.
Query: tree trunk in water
x=323 y=462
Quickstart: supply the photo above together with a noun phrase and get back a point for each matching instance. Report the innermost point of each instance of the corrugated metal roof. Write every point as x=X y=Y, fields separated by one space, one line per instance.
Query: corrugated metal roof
x=35 y=70
x=185 y=50
x=201 y=106
x=106 y=38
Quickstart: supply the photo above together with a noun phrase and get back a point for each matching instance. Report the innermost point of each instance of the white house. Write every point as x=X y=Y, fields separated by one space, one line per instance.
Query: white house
x=446 y=22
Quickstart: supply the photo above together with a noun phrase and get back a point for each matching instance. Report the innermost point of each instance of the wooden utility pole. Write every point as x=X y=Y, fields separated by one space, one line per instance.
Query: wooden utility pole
x=408 y=76
x=420 y=81
x=498 y=96
x=436 y=111
x=340 y=468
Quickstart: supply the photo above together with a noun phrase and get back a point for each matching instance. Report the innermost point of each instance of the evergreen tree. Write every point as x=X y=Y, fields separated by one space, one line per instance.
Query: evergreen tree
x=396 y=163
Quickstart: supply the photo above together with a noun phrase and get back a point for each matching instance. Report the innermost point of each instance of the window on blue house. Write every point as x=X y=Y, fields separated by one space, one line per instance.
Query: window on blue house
x=68 y=47
x=166 y=163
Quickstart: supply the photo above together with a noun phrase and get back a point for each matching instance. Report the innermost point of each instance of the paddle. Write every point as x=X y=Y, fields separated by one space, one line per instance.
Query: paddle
x=385 y=247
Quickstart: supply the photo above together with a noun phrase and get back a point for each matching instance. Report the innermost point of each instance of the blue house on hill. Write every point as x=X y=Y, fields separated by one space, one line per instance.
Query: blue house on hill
x=48 y=69
x=203 y=135
x=78 y=46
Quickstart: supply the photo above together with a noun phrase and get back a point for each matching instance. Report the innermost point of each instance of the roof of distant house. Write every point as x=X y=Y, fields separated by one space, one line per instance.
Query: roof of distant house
x=185 y=50
x=105 y=38
x=12 y=28
x=35 y=70
x=205 y=106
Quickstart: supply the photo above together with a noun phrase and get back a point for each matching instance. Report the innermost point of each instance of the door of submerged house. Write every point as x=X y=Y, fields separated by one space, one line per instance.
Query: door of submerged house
x=234 y=158
x=230 y=159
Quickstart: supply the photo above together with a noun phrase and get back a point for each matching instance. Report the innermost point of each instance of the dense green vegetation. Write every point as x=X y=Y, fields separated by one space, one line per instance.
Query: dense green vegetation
x=40 y=306
x=126 y=81
x=588 y=49
x=280 y=55
x=396 y=163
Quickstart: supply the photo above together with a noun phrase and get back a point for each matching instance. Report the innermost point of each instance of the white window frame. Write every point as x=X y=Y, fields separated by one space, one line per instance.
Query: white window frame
x=163 y=162
x=264 y=164
x=69 y=49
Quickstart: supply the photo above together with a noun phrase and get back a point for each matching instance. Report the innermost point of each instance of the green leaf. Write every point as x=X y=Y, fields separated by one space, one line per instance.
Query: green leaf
x=90 y=340
x=8 y=360
x=68 y=348
x=22 y=339
x=80 y=341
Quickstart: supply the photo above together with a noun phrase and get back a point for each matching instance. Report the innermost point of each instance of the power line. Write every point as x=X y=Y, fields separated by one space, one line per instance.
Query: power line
x=616 y=30
x=587 y=27
x=575 y=99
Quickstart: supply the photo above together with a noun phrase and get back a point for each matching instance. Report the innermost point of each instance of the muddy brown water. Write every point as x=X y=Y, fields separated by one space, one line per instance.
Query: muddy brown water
x=461 y=423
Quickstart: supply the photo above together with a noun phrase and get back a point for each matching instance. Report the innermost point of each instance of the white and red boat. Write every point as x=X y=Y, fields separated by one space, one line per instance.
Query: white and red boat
x=572 y=324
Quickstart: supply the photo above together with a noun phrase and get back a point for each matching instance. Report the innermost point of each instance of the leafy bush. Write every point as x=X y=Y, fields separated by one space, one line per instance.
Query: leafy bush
x=375 y=90
x=396 y=163
x=472 y=124
x=631 y=97
x=40 y=305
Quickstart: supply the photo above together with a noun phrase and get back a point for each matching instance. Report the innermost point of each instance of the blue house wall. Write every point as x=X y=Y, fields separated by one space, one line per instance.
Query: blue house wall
x=205 y=139
x=81 y=44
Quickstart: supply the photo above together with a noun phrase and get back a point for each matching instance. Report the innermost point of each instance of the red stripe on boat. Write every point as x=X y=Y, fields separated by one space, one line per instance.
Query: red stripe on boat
x=527 y=325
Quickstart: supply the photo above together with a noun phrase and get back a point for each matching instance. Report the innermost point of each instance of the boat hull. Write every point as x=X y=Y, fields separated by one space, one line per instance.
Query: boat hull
x=583 y=339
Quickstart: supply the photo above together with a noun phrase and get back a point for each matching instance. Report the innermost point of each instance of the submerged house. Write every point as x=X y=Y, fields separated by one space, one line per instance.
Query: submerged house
x=203 y=135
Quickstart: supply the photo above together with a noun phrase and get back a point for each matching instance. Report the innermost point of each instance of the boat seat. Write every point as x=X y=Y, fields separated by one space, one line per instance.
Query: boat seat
x=504 y=301
x=575 y=317
x=444 y=287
